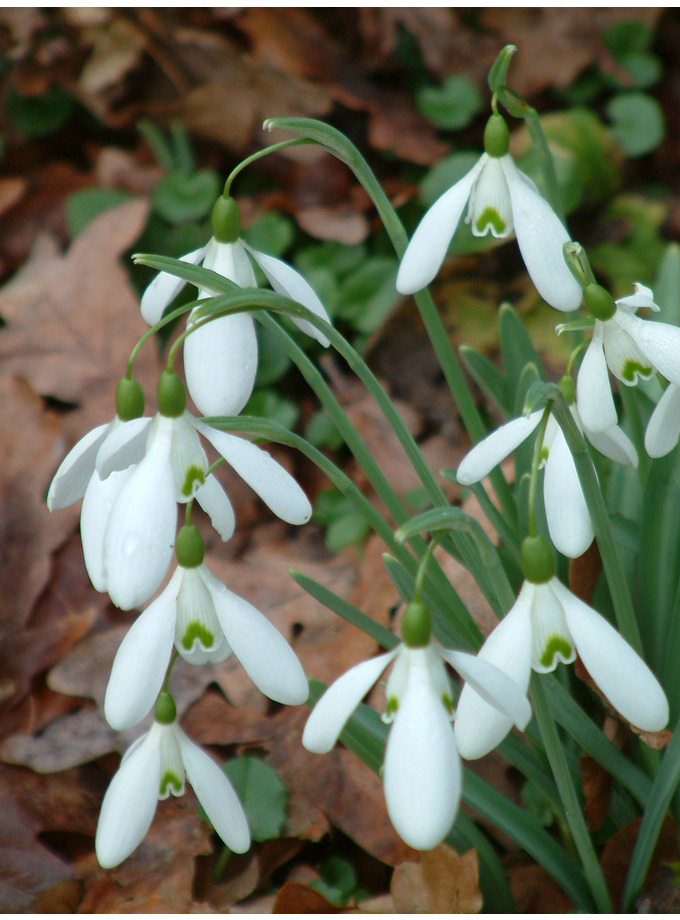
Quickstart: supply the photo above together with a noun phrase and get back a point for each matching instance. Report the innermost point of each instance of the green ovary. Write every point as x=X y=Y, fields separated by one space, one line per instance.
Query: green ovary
x=194 y=475
x=197 y=632
x=555 y=646
x=170 y=779
x=490 y=218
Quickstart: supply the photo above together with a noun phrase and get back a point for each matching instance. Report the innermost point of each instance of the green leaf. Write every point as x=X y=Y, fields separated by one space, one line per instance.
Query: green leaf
x=488 y=378
x=667 y=287
x=444 y=174
x=338 y=880
x=38 y=116
x=182 y=196
x=368 y=294
x=263 y=794
x=87 y=203
x=271 y=232
x=271 y=404
x=272 y=362
x=638 y=123
x=639 y=243
x=345 y=530
x=452 y=105
x=517 y=349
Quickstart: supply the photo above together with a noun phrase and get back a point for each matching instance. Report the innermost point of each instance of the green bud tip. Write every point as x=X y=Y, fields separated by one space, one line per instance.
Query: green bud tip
x=129 y=399
x=538 y=565
x=599 y=302
x=166 y=711
x=171 y=394
x=568 y=388
x=226 y=220
x=189 y=546
x=496 y=136
x=416 y=625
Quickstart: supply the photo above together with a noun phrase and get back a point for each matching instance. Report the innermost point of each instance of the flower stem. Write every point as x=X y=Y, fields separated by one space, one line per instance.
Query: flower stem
x=535 y=463
x=273 y=148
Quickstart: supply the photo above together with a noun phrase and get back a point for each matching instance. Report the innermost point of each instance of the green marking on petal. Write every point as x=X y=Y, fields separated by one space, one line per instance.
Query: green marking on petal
x=168 y=779
x=544 y=454
x=448 y=703
x=631 y=368
x=194 y=475
x=556 y=646
x=197 y=632
x=490 y=218
x=392 y=706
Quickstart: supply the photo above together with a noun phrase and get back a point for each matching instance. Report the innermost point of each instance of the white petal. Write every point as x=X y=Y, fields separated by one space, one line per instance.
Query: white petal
x=216 y=795
x=489 y=208
x=99 y=498
x=71 y=479
x=264 y=475
x=422 y=773
x=430 y=242
x=495 y=447
x=231 y=261
x=625 y=359
x=141 y=661
x=615 y=444
x=123 y=446
x=269 y=661
x=129 y=804
x=141 y=530
x=643 y=297
x=492 y=684
x=593 y=389
x=289 y=283
x=569 y=524
x=334 y=708
x=478 y=727
x=659 y=342
x=616 y=668
x=215 y=502
x=663 y=428
x=540 y=237
x=164 y=288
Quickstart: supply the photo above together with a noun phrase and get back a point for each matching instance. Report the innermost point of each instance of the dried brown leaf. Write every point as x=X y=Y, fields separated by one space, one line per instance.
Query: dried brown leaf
x=617 y=853
x=294 y=898
x=441 y=882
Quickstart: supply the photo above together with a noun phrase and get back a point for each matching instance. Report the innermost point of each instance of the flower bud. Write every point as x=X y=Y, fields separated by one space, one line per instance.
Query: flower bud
x=166 y=711
x=496 y=136
x=129 y=399
x=416 y=625
x=538 y=565
x=171 y=394
x=599 y=302
x=189 y=546
x=226 y=220
x=568 y=388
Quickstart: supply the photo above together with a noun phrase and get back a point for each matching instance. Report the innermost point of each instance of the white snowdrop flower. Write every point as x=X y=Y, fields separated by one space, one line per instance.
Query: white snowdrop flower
x=156 y=765
x=499 y=199
x=569 y=523
x=663 y=428
x=630 y=347
x=220 y=359
x=422 y=769
x=547 y=625
x=205 y=622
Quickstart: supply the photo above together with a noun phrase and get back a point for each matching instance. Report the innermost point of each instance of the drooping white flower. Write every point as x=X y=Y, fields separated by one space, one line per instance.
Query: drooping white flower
x=569 y=523
x=220 y=359
x=422 y=770
x=546 y=625
x=156 y=765
x=499 y=199
x=205 y=622
x=631 y=348
x=663 y=428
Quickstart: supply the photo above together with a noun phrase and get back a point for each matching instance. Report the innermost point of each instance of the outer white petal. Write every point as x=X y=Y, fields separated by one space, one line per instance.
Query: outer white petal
x=422 y=773
x=659 y=342
x=130 y=803
x=663 y=429
x=264 y=475
x=216 y=794
x=495 y=447
x=220 y=364
x=625 y=359
x=269 y=661
x=141 y=661
x=616 y=668
x=615 y=444
x=430 y=242
x=593 y=389
x=71 y=479
x=337 y=704
x=643 y=297
x=123 y=446
x=215 y=502
x=231 y=261
x=566 y=511
x=99 y=498
x=479 y=727
x=290 y=283
x=540 y=237
x=164 y=288
x=492 y=684
x=140 y=534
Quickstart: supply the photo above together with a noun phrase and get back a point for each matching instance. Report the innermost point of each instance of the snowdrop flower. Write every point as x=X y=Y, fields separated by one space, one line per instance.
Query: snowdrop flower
x=220 y=359
x=136 y=535
x=156 y=765
x=206 y=622
x=663 y=428
x=630 y=347
x=569 y=524
x=422 y=769
x=499 y=199
x=547 y=625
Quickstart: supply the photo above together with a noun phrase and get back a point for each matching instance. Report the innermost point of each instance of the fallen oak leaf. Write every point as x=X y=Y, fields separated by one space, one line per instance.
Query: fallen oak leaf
x=442 y=881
